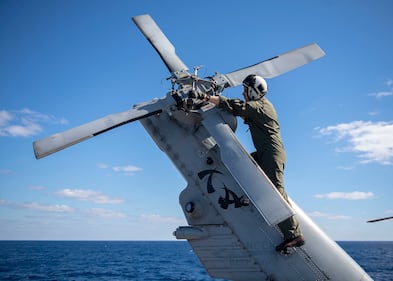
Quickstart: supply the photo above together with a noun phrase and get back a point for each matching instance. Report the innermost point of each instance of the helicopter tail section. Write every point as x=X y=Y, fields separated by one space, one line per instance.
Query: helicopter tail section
x=229 y=203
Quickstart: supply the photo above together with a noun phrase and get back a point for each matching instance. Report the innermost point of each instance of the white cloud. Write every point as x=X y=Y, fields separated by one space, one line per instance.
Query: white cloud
x=317 y=214
x=5 y=171
x=373 y=113
x=346 y=168
x=381 y=94
x=57 y=208
x=47 y=208
x=102 y=166
x=27 y=128
x=128 y=170
x=88 y=195
x=355 y=195
x=5 y=117
x=106 y=213
x=6 y=203
x=372 y=141
x=24 y=123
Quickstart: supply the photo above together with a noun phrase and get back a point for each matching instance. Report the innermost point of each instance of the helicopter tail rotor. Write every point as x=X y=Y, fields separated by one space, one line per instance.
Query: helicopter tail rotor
x=188 y=84
x=161 y=44
x=274 y=66
x=381 y=219
x=56 y=142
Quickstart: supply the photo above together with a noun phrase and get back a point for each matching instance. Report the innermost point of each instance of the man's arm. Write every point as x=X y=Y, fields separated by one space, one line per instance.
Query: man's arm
x=236 y=106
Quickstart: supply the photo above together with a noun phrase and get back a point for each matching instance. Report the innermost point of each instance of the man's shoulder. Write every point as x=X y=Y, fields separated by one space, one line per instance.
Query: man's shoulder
x=255 y=103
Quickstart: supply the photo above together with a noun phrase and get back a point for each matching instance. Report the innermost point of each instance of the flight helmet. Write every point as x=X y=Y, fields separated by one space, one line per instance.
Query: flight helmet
x=256 y=86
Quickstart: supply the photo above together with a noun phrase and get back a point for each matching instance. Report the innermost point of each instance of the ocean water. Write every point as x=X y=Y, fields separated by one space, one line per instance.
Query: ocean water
x=137 y=260
x=376 y=258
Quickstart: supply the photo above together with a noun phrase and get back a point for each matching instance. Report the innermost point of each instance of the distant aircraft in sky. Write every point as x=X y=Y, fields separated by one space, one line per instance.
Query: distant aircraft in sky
x=231 y=206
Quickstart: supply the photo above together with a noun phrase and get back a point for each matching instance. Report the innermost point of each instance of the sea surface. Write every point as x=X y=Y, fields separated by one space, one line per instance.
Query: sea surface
x=141 y=260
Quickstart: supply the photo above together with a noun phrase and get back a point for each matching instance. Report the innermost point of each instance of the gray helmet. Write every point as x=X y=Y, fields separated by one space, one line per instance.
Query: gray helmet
x=256 y=86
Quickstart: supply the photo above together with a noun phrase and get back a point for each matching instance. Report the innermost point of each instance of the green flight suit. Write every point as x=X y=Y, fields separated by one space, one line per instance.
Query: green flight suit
x=261 y=117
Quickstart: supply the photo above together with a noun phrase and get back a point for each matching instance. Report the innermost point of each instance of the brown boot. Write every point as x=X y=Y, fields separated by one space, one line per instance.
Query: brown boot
x=293 y=242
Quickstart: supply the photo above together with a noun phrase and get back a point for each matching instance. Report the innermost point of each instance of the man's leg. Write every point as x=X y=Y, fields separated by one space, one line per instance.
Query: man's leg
x=274 y=169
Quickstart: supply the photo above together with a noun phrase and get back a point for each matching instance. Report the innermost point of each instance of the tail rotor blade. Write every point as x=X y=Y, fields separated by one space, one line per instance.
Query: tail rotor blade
x=54 y=143
x=277 y=65
x=381 y=219
x=162 y=45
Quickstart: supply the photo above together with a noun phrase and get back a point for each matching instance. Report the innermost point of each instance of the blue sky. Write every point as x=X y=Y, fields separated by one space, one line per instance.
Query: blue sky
x=65 y=63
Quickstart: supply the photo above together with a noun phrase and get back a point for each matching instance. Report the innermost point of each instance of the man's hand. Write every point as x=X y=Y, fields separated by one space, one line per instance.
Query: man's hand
x=213 y=99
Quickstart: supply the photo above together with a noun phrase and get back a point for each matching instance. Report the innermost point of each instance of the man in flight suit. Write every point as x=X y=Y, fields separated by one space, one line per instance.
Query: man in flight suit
x=261 y=117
